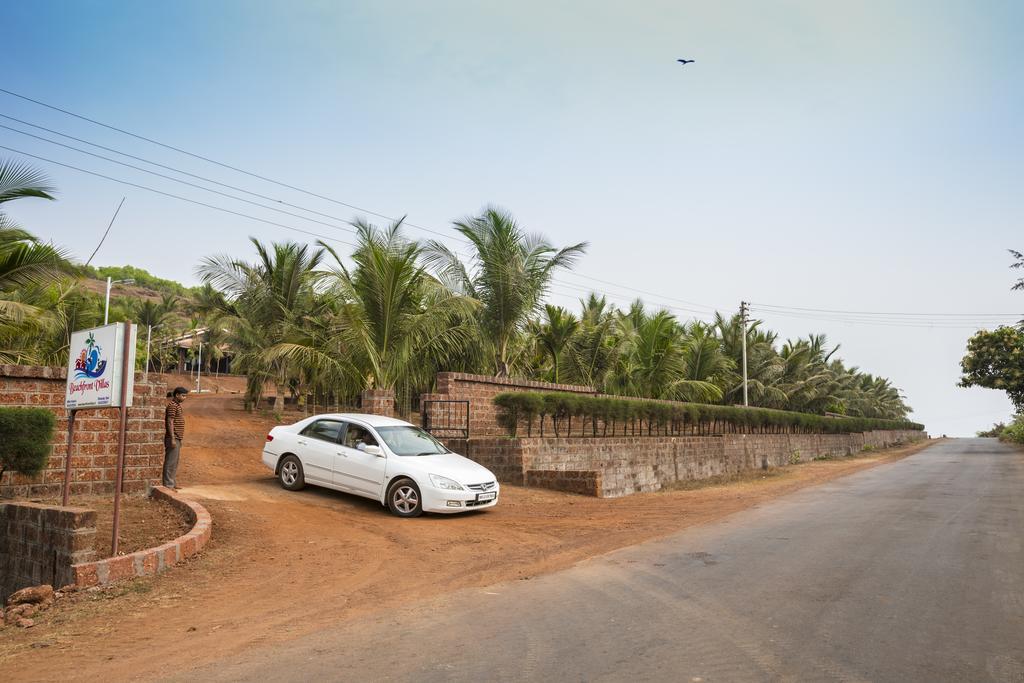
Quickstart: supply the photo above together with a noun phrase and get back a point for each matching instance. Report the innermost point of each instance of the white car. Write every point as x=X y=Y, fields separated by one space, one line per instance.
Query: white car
x=389 y=460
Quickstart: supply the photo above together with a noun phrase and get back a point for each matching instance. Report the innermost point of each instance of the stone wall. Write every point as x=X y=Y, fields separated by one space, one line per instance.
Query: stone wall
x=40 y=543
x=95 y=446
x=480 y=391
x=618 y=466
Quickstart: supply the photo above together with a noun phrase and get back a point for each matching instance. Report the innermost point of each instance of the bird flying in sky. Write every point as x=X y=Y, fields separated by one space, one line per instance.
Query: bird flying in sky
x=684 y=62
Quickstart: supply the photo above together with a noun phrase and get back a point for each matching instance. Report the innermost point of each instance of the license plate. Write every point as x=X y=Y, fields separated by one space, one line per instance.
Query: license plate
x=490 y=495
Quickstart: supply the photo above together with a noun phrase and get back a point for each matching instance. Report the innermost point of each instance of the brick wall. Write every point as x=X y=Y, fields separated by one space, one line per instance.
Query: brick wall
x=95 y=447
x=618 y=466
x=480 y=391
x=40 y=543
x=378 y=402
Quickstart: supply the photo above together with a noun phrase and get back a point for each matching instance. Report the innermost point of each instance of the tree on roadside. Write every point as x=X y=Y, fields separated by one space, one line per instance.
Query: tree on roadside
x=554 y=333
x=1019 y=263
x=385 y=323
x=508 y=273
x=266 y=300
x=995 y=360
x=27 y=267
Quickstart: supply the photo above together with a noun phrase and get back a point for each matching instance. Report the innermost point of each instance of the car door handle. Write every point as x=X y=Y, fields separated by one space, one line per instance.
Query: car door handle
x=343 y=454
x=301 y=442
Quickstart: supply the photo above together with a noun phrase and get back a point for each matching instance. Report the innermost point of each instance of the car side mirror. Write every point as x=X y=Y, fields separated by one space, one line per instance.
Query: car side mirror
x=373 y=450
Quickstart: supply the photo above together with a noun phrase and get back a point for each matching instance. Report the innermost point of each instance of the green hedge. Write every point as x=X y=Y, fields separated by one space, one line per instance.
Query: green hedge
x=26 y=435
x=576 y=414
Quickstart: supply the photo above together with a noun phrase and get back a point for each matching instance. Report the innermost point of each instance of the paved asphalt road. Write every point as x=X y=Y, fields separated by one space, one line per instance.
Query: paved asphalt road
x=912 y=571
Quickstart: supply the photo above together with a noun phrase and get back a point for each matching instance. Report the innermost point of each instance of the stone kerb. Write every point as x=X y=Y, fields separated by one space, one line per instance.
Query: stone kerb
x=95 y=447
x=152 y=560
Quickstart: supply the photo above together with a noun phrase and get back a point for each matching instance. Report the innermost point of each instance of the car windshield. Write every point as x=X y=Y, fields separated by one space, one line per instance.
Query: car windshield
x=410 y=441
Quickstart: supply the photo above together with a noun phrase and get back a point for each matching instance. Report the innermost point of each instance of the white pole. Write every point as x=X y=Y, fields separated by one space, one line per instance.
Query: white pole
x=743 y=321
x=106 y=308
x=199 y=370
x=149 y=334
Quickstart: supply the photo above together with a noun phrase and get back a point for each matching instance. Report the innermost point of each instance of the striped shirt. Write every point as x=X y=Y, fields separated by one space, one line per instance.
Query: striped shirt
x=174 y=421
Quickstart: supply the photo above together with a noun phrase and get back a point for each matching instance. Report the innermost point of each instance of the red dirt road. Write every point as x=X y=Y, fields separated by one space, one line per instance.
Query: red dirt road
x=283 y=564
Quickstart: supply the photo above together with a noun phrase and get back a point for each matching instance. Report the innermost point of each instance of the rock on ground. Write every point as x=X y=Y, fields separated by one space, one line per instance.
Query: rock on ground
x=33 y=595
x=14 y=614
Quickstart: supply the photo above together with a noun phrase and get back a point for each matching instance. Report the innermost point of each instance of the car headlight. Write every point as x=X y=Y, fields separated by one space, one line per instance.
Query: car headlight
x=445 y=483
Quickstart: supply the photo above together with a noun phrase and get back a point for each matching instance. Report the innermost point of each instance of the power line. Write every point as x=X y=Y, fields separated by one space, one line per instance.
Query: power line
x=276 y=182
x=178 y=180
x=922 y=324
x=212 y=161
x=882 y=313
x=612 y=294
x=919 y=324
x=157 y=164
x=341 y=203
x=179 y=197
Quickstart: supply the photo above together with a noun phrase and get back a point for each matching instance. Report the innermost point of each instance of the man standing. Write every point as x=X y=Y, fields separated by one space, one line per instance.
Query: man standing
x=174 y=432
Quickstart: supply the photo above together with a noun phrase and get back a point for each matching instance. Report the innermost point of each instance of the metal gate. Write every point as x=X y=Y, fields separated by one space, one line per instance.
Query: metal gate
x=445 y=418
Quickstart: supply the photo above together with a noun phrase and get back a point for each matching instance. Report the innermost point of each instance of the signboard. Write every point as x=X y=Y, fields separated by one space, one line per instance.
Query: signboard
x=95 y=365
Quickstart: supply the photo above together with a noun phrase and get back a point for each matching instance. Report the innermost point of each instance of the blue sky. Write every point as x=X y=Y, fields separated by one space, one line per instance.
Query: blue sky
x=851 y=156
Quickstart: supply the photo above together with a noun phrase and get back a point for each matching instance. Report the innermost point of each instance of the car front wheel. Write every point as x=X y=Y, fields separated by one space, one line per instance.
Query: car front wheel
x=290 y=473
x=404 y=498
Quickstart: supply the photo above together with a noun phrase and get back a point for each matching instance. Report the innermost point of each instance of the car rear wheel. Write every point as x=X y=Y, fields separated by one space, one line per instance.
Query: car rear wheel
x=290 y=473
x=404 y=498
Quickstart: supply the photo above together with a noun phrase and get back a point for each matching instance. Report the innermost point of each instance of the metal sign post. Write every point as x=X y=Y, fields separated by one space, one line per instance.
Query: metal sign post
x=122 y=431
x=101 y=375
x=67 y=457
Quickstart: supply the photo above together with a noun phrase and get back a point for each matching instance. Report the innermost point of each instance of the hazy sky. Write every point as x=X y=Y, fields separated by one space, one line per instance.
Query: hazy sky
x=821 y=155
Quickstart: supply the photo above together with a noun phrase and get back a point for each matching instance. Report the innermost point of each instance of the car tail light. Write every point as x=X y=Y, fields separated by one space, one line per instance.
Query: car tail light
x=270 y=437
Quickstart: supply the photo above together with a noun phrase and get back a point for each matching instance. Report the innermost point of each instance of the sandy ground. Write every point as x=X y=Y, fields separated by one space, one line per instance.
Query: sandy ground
x=284 y=564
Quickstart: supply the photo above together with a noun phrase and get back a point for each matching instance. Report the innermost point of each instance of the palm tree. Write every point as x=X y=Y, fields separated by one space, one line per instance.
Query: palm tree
x=704 y=360
x=18 y=181
x=508 y=274
x=25 y=263
x=267 y=297
x=207 y=301
x=555 y=333
x=594 y=350
x=653 y=363
x=763 y=364
x=150 y=313
x=388 y=321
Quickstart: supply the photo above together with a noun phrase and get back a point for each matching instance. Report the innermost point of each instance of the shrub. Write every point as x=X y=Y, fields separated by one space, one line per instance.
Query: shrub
x=1014 y=432
x=26 y=435
x=997 y=430
x=661 y=417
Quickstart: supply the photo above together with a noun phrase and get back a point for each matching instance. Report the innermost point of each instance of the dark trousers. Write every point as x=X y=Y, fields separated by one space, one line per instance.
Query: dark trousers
x=172 y=451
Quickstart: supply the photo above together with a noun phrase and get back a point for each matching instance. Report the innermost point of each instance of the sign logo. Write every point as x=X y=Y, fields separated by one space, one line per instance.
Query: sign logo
x=90 y=362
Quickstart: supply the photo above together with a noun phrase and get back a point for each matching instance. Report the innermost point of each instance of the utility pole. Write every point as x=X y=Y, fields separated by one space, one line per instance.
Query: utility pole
x=199 y=370
x=111 y=283
x=106 y=306
x=149 y=335
x=743 y=322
